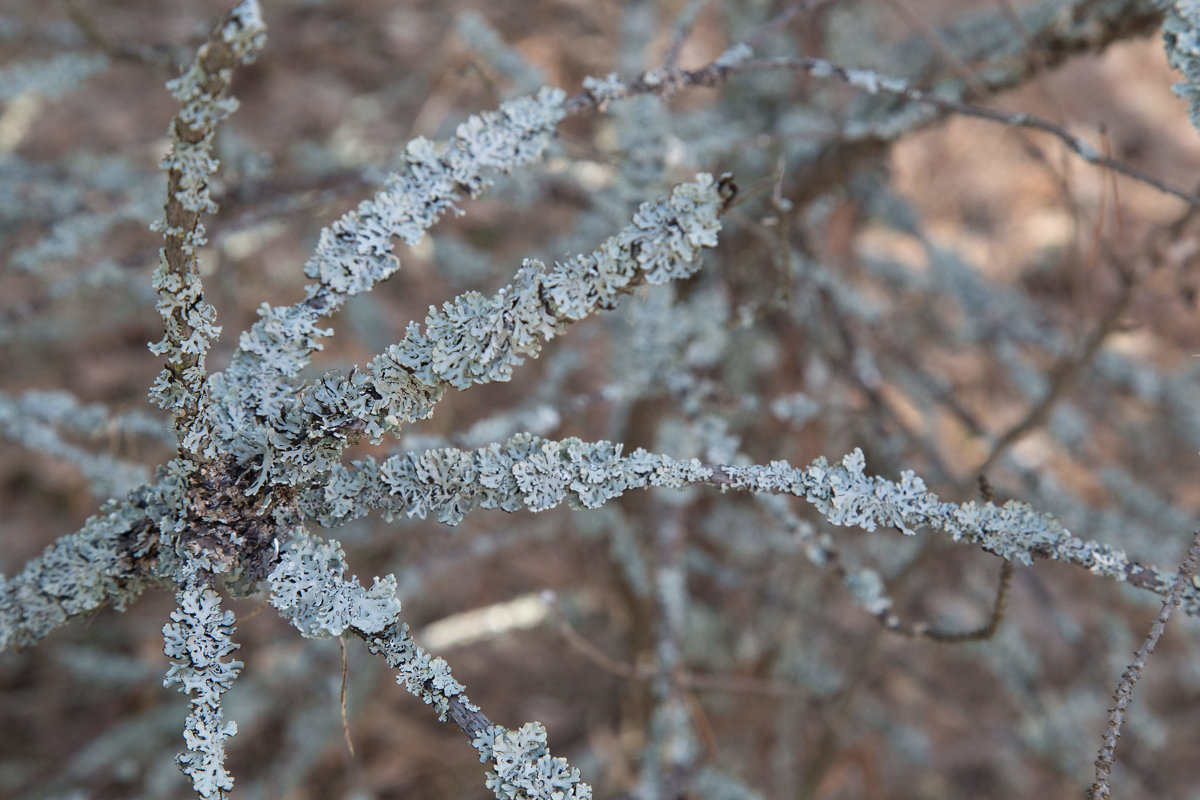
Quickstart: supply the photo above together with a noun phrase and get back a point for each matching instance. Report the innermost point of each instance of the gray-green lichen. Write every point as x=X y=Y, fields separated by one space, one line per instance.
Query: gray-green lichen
x=308 y=589
x=294 y=438
x=197 y=640
x=76 y=575
x=189 y=321
x=527 y=472
x=255 y=414
x=522 y=767
x=1181 y=37
x=524 y=472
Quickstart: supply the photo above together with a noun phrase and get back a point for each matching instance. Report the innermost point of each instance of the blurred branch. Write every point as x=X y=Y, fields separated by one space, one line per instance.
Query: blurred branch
x=874 y=83
x=163 y=57
x=875 y=135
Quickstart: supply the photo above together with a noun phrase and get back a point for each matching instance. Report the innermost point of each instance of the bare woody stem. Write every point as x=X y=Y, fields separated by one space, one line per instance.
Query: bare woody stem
x=1124 y=693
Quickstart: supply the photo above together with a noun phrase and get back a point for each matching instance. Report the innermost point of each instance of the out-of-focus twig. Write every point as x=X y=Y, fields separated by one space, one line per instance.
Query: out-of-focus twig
x=159 y=57
x=877 y=84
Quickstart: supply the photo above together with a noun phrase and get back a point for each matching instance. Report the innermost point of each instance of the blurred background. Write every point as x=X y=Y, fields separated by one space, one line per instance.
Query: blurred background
x=952 y=296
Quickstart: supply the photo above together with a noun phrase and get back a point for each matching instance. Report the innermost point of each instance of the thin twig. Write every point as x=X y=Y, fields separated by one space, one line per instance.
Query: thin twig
x=342 y=699
x=588 y=650
x=874 y=83
x=1124 y=693
x=938 y=45
x=666 y=83
x=1061 y=376
x=999 y=606
x=684 y=23
x=158 y=57
x=734 y=684
x=783 y=18
x=979 y=90
x=258 y=609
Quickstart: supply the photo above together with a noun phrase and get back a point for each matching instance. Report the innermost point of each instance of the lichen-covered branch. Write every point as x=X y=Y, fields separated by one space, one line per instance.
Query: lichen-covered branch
x=48 y=77
x=189 y=320
x=94 y=420
x=476 y=339
x=1003 y=55
x=528 y=472
x=309 y=590
x=197 y=640
x=255 y=408
x=78 y=574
